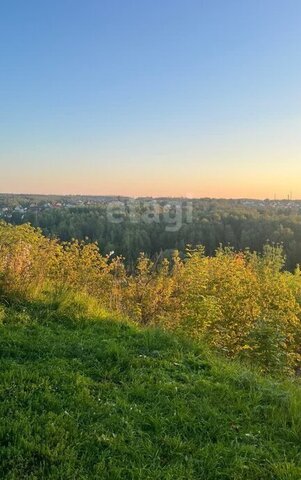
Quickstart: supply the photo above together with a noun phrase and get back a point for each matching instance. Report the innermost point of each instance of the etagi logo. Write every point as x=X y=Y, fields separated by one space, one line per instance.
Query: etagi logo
x=173 y=214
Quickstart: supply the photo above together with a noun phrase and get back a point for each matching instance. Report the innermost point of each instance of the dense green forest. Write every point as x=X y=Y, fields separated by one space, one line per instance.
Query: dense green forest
x=129 y=227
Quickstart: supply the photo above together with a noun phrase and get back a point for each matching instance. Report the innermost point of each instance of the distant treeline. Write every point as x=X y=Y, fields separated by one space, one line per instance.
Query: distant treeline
x=131 y=227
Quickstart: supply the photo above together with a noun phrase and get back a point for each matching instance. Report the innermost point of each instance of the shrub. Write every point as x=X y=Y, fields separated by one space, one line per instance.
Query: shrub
x=242 y=303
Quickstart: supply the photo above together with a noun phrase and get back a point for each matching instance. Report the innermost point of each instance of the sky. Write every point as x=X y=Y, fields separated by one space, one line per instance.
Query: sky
x=189 y=98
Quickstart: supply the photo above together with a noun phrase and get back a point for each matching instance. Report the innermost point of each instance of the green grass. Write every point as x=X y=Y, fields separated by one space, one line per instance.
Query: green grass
x=101 y=399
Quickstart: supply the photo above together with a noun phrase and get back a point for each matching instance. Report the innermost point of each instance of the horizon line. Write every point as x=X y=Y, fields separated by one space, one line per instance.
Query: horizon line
x=188 y=197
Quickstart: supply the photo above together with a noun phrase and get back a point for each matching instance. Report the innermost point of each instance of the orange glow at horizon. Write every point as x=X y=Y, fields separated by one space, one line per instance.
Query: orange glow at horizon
x=228 y=169
x=195 y=187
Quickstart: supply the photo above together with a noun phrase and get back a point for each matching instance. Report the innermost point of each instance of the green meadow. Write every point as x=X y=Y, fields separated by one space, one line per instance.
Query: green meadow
x=99 y=398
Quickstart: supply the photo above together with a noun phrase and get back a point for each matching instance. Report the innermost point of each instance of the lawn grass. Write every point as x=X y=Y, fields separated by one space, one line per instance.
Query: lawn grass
x=101 y=399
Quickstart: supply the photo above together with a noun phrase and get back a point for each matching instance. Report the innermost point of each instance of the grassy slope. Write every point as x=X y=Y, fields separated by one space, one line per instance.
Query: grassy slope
x=102 y=399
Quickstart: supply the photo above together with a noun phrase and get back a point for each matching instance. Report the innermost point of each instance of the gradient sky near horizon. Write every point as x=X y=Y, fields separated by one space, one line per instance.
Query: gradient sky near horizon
x=161 y=97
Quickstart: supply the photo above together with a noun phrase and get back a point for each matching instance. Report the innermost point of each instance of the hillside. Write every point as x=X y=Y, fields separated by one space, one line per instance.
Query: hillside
x=101 y=399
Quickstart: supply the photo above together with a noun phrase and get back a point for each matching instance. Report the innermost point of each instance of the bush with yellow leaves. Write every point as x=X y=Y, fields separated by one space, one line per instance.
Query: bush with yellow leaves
x=242 y=304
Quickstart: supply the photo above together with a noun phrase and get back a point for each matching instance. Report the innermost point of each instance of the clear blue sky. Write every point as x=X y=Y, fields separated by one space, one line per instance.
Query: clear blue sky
x=154 y=97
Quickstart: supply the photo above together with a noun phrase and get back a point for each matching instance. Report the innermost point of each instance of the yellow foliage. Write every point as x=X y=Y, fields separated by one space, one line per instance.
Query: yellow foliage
x=241 y=303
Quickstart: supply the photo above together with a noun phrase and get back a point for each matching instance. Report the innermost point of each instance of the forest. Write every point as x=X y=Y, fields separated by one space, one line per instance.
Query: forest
x=157 y=227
